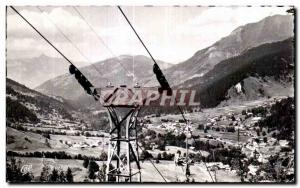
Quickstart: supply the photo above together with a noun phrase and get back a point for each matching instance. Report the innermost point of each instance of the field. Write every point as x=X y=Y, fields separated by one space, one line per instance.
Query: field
x=168 y=169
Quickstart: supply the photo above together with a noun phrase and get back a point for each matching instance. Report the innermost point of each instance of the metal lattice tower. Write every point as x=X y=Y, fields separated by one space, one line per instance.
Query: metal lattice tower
x=123 y=124
x=123 y=153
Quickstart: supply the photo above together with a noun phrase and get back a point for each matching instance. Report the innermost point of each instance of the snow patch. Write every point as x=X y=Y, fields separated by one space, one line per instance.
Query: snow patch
x=195 y=76
x=238 y=88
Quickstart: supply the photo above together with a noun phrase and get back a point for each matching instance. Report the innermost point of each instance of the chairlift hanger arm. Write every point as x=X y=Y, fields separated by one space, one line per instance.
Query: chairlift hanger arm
x=156 y=69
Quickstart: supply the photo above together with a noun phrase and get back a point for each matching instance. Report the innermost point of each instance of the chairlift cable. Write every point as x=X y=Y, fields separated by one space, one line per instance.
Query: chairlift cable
x=42 y=35
x=100 y=39
x=136 y=34
x=204 y=163
x=153 y=164
x=72 y=43
x=52 y=45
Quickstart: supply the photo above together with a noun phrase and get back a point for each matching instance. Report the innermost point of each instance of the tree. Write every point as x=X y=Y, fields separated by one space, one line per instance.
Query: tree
x=165 y=155
x=200 y=126
x=47 y=143
x=44 y=177
x=62 y=177
x=27 y=177
x=86 y=162
x=146 y=155
x=14 y=174
x=161 y=145
x=92 y=174
x=103 y=156
x=16 y=112
x=102 y=173
x=87 y=134
x=244 y=112
x=93 y=167
x=69 y=175
x=159 y=156
x=54 y=175
x=257 y=132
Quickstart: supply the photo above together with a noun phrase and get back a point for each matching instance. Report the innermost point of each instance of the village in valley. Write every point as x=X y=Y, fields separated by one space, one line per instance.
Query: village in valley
x=230 y=139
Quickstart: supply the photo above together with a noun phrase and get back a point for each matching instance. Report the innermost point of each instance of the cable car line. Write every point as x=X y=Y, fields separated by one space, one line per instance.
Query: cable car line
x=83 y=81
x=153 y=164
x=136 y=33
x=72 y=43
x=101 y=40
x=41 y=35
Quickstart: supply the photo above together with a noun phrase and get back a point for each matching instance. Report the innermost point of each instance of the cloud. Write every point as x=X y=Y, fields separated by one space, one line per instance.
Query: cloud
x=172 y=34
x=215 y=23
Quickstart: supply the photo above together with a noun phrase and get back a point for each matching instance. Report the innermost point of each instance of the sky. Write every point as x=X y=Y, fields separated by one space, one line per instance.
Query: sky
x=172 y=34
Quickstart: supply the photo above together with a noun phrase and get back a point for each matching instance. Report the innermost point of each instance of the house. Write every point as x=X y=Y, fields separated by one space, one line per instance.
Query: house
x=262 y=144
x=217 y=166
x=283 y=143
x=76 y=145
x=272 y=141
x=253 y=169
x=255 y=119
x=262 y=159
x=208 y=124
x=249 y=114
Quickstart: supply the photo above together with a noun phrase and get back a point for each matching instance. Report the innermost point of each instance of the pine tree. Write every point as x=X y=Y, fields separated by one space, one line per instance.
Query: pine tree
x=92 y=174
x=14 y=174
x=54 y=175
x=86 y=163
x=93 y=167
x=102 y=173
x=44 y=177
x=69 y=175
x=62 y=177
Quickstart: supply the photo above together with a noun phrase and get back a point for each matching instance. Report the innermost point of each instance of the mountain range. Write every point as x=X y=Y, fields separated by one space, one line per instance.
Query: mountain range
x=241 y=56
x=270 y=29
x=121 y=70
x=42 y=67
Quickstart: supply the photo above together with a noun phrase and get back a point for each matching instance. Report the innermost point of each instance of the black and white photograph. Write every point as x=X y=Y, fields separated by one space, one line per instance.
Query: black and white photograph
x=150 y=94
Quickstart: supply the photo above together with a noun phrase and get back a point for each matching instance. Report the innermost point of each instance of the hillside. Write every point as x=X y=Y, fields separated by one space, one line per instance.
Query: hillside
x=273 y=63
x=24 y=104
x=270 y=29
x=27 y=141
x=253 y=88
x=282 y=120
